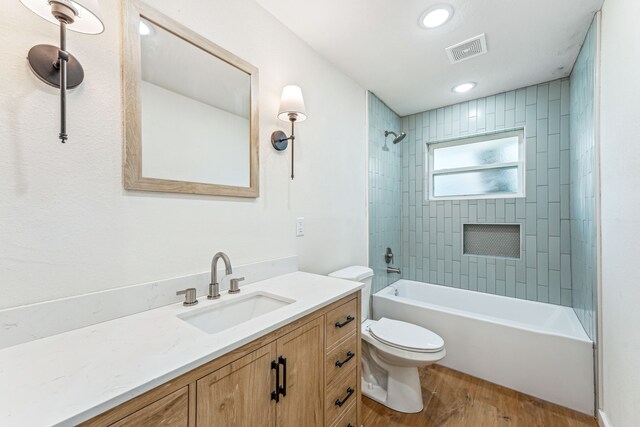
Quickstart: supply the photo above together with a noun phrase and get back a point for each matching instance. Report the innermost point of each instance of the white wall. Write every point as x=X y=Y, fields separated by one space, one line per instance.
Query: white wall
x=620 y=180
x=67 y=227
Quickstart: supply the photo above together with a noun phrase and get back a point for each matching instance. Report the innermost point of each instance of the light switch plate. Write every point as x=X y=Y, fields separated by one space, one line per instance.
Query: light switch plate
x=299 y=226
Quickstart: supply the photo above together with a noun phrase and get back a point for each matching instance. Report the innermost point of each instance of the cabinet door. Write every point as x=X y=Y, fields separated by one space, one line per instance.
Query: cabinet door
x=303 y=350
x=240 y=393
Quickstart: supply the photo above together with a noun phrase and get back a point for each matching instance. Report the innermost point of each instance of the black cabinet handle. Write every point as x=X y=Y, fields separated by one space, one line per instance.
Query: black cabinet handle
x=350 y=319
x=283 y=388
x=275 y=394
x=349 y=357
x=339 y=402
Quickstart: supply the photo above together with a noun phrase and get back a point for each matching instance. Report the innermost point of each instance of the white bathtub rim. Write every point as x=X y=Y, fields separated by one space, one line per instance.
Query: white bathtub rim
x=462 y=290
x=386 y=294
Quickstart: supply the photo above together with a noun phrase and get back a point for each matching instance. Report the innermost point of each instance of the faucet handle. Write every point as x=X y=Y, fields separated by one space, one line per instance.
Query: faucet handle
x=235 y=285
x=189 y=296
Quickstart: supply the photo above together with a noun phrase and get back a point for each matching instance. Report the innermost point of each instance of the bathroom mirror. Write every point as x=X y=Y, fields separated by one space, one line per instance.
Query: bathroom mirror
x=190 y=110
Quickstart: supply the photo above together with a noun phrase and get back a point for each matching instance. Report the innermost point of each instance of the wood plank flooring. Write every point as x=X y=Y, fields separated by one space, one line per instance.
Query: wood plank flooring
x=454 y=399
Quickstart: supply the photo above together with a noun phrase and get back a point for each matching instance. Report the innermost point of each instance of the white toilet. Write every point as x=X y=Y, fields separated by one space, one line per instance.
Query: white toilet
x=392 y=352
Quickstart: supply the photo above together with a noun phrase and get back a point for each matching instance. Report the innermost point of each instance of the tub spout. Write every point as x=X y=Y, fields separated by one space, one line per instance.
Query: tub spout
x=393 y=270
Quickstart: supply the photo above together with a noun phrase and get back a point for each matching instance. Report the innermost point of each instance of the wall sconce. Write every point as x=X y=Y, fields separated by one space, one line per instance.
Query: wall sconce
x=55 y=66
x=291 y=110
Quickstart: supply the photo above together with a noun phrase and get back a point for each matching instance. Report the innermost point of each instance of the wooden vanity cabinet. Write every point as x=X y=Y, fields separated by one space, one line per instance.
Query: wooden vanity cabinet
x=243 y=392
x=303 y=374
x=238 y=393
x=171 y=410
x=342 y=365
x=302 y=351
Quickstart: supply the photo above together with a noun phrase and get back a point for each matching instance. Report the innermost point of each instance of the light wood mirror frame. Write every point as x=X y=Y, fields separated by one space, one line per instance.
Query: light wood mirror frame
x=133 y=10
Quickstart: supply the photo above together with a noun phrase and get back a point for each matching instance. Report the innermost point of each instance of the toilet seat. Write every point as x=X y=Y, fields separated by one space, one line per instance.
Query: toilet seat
x=406 y=336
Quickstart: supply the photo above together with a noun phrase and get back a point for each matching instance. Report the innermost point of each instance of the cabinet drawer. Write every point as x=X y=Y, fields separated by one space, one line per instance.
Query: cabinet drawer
x=342 y=358
x=170 y=411
x=349 y=418
x=341 y=322
x=340 y=396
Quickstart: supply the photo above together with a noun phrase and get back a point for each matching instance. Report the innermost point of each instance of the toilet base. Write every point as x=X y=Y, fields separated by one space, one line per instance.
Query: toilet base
x=403 y=393
x=390 y=375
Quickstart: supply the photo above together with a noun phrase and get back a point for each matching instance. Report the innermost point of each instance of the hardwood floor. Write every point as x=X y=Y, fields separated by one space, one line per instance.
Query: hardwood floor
x=454 y=399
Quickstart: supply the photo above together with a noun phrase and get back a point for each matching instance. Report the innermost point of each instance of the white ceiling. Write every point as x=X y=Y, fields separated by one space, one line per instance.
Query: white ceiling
x=380 y=45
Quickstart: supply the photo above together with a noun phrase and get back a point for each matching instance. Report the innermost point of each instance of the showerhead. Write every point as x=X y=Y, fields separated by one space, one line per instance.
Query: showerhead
x=399 y=138
x=396 y=138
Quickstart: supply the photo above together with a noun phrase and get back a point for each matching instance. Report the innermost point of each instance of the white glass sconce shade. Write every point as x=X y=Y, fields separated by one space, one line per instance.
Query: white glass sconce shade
x=292 y=102
x=291 y=110
x=87 y=18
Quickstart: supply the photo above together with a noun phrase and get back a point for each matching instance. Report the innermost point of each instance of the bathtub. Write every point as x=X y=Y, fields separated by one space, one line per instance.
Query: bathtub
x=535 y=348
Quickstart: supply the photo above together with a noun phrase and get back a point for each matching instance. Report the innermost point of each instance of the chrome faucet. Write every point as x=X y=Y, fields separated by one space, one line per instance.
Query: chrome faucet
x=214 y=286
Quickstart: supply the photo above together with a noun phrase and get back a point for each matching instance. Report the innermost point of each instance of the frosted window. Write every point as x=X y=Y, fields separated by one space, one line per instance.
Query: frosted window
x=487 y=181
x=482 y=167
x=503 y=150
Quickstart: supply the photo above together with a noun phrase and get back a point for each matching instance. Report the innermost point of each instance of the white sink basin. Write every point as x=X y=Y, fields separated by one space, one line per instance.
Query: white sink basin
x=227 y=314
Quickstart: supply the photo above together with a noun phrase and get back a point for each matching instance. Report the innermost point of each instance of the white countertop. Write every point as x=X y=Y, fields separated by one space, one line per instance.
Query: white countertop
x=68 y=378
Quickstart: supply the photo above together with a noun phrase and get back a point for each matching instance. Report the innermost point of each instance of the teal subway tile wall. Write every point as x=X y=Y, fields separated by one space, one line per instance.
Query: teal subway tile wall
x=583 y=182
x=431 y=231
x=384 y=191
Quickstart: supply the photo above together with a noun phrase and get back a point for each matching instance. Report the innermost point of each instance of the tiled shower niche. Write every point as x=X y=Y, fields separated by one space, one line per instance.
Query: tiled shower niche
x=494 y=240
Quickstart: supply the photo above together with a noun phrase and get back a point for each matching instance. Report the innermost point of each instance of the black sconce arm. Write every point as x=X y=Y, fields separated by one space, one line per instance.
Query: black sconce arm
x=279 y=140
x=63 y=59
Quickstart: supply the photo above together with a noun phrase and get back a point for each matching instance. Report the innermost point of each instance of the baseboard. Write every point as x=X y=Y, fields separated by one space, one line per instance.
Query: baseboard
x=603 y=420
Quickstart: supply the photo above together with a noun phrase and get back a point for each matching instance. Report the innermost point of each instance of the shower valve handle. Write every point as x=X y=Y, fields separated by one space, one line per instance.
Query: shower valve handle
x=388 y=256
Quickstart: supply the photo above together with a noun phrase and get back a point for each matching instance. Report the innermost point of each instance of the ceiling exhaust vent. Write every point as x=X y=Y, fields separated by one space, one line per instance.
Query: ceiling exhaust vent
x=468 y=49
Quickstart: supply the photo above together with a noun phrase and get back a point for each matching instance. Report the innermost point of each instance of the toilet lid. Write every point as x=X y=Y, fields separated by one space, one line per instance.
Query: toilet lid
x=406 y=336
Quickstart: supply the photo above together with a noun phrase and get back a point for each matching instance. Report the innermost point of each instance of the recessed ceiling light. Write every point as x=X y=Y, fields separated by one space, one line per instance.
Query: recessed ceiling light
x=464 y=87
x=145 y=29
x=436 y=16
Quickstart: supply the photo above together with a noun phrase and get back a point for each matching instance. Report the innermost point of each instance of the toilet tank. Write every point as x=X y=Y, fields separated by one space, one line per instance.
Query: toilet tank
x=361 y=274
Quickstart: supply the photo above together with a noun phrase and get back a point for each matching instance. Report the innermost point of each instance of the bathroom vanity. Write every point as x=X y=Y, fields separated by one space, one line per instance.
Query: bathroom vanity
x=304 y=374
x=297 y=364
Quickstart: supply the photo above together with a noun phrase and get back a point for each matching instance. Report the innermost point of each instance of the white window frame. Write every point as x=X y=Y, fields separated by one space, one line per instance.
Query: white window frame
x=521 y=165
